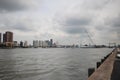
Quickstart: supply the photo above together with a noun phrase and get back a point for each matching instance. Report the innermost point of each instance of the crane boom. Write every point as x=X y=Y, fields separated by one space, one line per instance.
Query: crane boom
x=89 y=37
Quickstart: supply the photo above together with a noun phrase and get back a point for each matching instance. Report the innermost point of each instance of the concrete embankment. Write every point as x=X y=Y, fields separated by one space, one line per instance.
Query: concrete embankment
x=104 y=68
x=116 y=68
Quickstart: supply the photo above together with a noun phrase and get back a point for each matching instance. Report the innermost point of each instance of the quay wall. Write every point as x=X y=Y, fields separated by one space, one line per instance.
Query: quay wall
x=104 y=68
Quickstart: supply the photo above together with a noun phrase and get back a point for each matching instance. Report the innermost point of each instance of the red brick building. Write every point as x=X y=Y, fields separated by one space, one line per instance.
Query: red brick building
x=8 y=39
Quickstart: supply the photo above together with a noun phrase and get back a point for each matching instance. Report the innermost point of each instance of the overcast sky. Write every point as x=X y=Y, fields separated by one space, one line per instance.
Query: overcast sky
x=65 y=21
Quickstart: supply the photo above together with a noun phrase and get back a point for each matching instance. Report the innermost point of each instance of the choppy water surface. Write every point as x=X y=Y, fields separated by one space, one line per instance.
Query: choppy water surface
x=48 y=64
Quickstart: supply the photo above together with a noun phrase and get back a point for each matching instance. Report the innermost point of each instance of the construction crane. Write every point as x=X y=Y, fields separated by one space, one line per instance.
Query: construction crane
x=89 y=36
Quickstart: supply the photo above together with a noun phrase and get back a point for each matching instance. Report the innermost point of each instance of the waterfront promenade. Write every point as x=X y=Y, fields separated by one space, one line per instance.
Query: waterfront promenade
x=108 y=70
x=116 y=68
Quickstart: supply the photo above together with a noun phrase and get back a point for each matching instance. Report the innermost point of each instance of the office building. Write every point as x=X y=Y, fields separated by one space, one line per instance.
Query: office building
x=21 y=44
x=15 y=44
x=25 y=44
x=40 y=43
x=35 y=43
x=46 y=43
x=51 y=42
x=4 y=38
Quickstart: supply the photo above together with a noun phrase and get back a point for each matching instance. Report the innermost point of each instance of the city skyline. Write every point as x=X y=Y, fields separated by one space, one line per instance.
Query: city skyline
x=62 y=20
x=7 y=41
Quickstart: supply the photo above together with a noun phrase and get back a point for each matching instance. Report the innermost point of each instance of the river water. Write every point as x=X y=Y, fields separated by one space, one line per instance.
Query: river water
x=49 y=63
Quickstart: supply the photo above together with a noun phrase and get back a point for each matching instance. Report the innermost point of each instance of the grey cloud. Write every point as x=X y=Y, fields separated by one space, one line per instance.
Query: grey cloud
x=11 y=5
x=16 y=5
x=111 y=27
x=23 y=27
x=74 y=30
x=77 y=21
x=95 y=4
x=75 y=25
x=115 y=22
x=44 y=36
x=13 y=22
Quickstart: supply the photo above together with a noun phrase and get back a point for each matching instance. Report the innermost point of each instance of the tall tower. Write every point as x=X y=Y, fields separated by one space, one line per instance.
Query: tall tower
x=0 y=37
x=8 y=39
x=4 y=38
x=51 y=42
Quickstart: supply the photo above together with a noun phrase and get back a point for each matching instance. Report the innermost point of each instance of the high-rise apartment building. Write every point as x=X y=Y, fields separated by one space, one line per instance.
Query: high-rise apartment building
x=8 y=38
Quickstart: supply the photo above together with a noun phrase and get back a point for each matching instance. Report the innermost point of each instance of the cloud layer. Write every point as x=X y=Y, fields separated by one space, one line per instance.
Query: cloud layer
x=68 y=22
